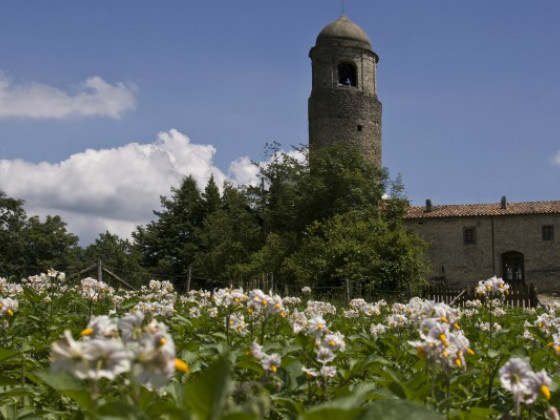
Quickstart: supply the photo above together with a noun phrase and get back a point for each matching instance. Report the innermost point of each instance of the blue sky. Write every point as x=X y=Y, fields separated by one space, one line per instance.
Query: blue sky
x=105 y=105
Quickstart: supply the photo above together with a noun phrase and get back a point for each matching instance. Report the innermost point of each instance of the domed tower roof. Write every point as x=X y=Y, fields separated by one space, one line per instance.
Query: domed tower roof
x=343 y=31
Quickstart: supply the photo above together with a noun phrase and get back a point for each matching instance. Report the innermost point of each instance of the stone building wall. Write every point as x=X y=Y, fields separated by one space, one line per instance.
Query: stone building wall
x=462 y=264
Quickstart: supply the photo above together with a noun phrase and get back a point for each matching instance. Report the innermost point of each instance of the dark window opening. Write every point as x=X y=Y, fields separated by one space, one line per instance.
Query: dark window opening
x=469 y=235
x=548 y=233
x=359 y=127
x=513 y=270
x=346 y=74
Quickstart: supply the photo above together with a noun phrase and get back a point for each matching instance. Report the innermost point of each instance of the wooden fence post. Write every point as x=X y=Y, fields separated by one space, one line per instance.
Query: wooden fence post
x=99 y=270
x=189 y=277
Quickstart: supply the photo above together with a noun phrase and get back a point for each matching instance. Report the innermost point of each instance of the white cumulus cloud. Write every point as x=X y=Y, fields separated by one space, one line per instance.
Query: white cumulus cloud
x=556 y=159
x=115 y=189
x=94 y=97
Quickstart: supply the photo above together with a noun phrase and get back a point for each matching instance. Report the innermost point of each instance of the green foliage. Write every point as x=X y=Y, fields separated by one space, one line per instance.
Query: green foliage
x=377 y=375
x=317 y=219
x=206 y=233
x=169 y=244
x=360 y=248
x=118 y=255
x=327 y=223
x=229 y=234
x=29 y=245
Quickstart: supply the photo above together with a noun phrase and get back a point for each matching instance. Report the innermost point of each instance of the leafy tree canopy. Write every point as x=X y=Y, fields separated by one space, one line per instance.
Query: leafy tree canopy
x=29 y=246
x=318 y=219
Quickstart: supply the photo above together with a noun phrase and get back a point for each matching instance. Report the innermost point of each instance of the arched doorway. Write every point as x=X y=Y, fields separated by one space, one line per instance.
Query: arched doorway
x=513 y=269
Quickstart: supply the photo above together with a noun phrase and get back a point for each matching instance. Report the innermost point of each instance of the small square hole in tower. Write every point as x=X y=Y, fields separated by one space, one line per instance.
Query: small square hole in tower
x=359 y=127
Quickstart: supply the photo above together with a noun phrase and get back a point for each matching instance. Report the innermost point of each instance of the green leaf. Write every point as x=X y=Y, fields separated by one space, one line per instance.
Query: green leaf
x=399 y=410
x=6 y=354
x=240 y=416
x=159 y=409
x=480 y=413
x=493 y=353
x=69 y=386
x=206 y=394
x=332 y=413
x=119 y=409
x=6 y=381
x=345 y=408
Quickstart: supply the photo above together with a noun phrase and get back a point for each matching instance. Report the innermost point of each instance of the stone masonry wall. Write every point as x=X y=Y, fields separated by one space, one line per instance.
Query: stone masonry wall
x=465 y=264
x=347 y=114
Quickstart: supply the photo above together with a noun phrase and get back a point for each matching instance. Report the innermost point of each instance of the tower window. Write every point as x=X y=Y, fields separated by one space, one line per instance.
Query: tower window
x=359 y=127
x=346 y=74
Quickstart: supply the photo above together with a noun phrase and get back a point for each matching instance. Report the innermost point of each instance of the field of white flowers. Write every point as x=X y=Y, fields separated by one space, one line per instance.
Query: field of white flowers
x=88 y=351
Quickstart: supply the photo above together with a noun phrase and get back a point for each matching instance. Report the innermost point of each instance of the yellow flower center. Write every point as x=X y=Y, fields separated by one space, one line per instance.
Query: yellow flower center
x=181 y=366
x=546 y=391
x=86 y=332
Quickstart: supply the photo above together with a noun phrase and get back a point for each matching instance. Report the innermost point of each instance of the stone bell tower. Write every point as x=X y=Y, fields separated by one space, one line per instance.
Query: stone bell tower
x=343 y=106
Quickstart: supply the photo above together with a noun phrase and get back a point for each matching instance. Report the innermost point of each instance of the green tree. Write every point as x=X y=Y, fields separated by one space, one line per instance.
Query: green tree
x=228 y=237
x=170 y=243
x=119 y=256
x=49 y=245
x=361 y=248
x=211 y=198
x=304 y=188
x=317 y=219
x=327 y=222
x=29 y=246
x=12 y=223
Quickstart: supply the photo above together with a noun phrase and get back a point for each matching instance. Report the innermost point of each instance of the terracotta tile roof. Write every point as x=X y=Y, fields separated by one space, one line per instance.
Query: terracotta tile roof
x=492 y=209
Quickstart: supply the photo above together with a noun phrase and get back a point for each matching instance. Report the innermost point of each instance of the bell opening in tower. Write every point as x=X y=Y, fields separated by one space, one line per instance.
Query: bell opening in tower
x=346 y=74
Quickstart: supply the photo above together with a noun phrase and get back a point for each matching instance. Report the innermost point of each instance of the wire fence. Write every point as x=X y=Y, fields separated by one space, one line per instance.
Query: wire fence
x=520 y=295
x=267 y=282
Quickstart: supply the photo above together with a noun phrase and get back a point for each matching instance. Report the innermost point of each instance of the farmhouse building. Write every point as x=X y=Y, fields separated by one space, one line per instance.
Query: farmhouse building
x=470 y=242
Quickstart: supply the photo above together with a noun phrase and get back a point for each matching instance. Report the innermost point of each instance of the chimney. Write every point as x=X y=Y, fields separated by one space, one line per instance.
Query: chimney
x=503 y=203
x=428 y=206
